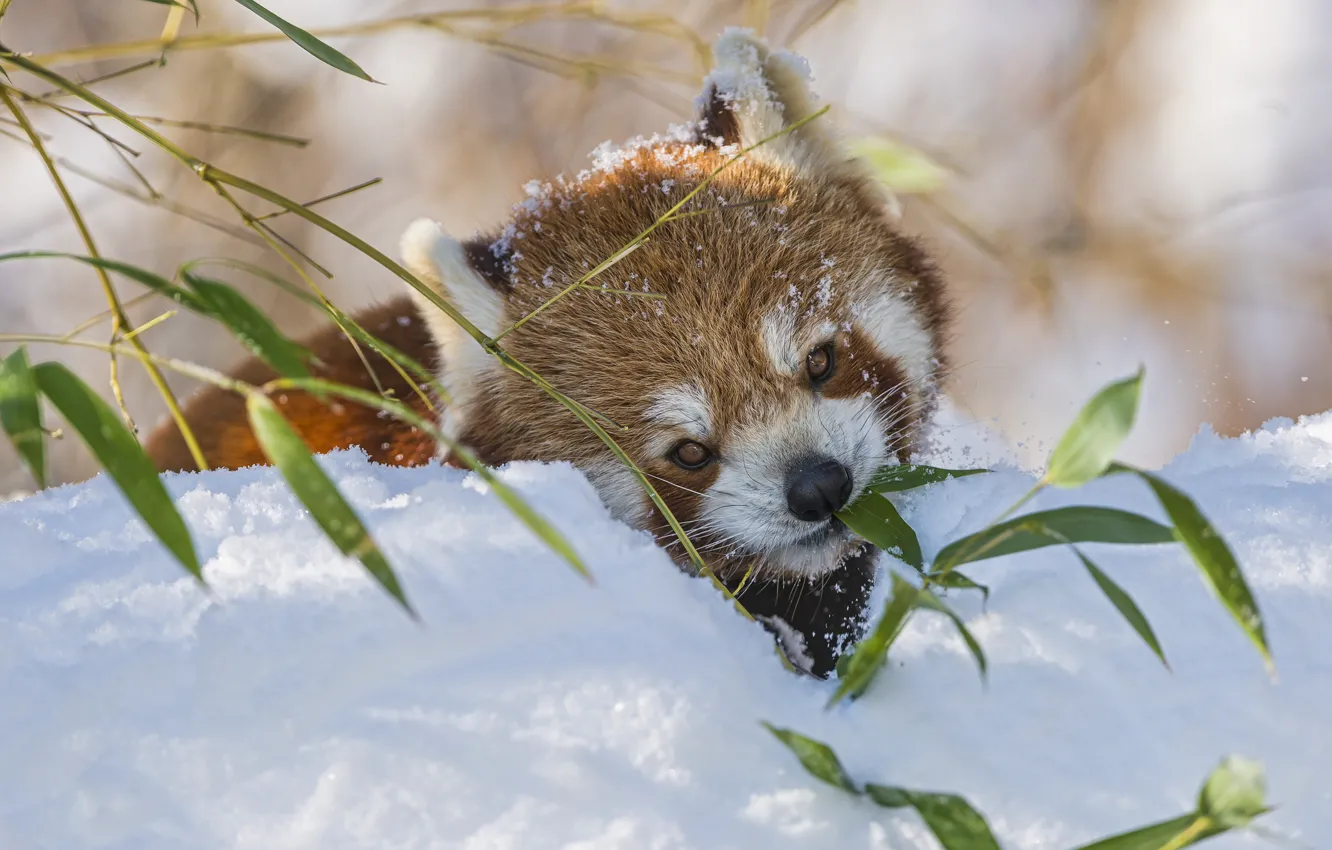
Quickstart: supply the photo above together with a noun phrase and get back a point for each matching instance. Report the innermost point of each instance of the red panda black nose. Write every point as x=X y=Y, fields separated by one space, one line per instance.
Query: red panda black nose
x=818 y=489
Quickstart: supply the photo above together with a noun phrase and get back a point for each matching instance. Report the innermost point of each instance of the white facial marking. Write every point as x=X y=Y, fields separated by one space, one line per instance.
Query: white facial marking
x=777 y=330
x=785 y=347
x=684 y=406
x=896 y=330
x=680 y=410
x=747 y=503
x=619 y=490
x=438 y=261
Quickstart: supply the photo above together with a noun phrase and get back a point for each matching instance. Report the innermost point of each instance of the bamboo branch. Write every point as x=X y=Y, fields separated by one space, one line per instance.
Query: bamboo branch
x=120 y=323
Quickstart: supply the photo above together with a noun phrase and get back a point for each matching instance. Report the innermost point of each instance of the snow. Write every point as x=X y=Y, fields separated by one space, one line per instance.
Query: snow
x=293 y=706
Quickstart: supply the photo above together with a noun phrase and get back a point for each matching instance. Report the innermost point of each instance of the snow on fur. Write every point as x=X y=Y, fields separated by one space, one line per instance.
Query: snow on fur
x=296 y=707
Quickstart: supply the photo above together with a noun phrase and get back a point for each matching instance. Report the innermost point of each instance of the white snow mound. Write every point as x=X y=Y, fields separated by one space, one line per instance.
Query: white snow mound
x=297 y=707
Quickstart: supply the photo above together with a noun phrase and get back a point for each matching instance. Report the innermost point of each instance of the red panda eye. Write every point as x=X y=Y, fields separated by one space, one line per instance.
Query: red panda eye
x=690 y=455
x=819 y=363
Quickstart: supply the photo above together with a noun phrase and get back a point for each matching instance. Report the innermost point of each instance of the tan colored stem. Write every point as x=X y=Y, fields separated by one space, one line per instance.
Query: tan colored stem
x=120 y=322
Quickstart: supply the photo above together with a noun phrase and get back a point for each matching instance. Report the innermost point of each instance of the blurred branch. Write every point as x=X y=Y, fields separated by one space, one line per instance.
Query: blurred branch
x=341 y=193
x=120 y=323
x=94 y=321
x=219 y=129
x=813 y=19
x=453 y=22
x=101 y=78
x=77 y=118
x=171 y=29
x=152 y=199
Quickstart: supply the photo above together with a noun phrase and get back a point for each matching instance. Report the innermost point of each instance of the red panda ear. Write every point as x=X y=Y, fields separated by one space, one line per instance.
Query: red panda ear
x=465 y=275
x=753 y=93
x=472 y=284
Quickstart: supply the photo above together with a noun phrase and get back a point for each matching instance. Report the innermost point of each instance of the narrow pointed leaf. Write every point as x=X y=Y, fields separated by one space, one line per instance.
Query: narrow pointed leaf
x=954 y=580
x=1124 y=604
x=307 y=42
x=101 y=429
x=1077 y=524
x=525 y=513
x=1090 y=443
x=155 y=282
x=1210 y=552
x=21 y=414
x=317 y=492
x=856 y=671
x=955 y=823
x=1157 y=835
x=423 y=375
x=892 y=479
x=875 y=518
x=816 y=757
x=930 y=602
x=899 y=167
x=254 y=330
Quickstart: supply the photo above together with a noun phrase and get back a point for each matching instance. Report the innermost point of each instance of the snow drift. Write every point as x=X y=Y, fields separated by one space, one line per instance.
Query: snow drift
x=295 y=706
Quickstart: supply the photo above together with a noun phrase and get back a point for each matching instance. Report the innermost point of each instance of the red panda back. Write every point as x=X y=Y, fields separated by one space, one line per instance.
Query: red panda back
x=218 y=419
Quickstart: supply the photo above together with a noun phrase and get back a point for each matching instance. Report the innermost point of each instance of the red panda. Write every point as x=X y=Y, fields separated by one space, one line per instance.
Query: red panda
x=789 y=346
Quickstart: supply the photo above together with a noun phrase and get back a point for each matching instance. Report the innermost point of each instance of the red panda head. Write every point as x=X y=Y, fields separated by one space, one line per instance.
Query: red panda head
x=767 y=348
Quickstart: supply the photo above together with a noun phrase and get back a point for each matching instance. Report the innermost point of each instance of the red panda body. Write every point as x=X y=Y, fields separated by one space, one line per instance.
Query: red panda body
x=772 y=344
x=219 y=422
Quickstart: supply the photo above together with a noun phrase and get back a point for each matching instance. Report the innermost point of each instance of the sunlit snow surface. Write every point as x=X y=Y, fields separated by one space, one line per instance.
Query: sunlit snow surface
x=296 y=707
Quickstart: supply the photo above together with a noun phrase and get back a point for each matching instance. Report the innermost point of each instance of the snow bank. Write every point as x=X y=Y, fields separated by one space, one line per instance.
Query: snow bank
x=296 y=707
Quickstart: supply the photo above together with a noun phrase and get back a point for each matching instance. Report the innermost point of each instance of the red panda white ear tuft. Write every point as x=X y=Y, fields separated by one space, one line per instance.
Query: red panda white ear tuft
x=753 y=93
x=443 y=264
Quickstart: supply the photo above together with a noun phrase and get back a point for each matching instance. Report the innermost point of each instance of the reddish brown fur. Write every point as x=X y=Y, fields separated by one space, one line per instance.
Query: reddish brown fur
x=218 y=418
x=718 y=272
x=804 y=231
x=791 y=223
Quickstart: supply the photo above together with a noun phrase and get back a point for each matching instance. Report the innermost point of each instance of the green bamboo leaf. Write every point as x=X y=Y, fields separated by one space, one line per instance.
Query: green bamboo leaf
x=875 y=518
x=1076 y=524
x=904 y=476
x=317 y=492
x=106 y=436
x=1235 y=793
x=899 y=167
x=856 y=670
x=955 y=823
x=954 y=580
x=1158 y=835
x=424 y=376
x=21 y=414
x=1215 y=559
x=254 y=330
x=1232 y=796
x=930 y=602
x=155 y=282
x=307 y=42
x=1090 y=443
x=1124 y=604
x=816 y=757
x=525 y=513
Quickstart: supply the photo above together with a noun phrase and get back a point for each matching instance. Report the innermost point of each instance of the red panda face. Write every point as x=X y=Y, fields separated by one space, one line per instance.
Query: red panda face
x=762 y=353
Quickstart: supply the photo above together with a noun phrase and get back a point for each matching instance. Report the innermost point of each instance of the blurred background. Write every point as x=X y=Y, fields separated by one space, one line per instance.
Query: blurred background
x=1127 y=182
